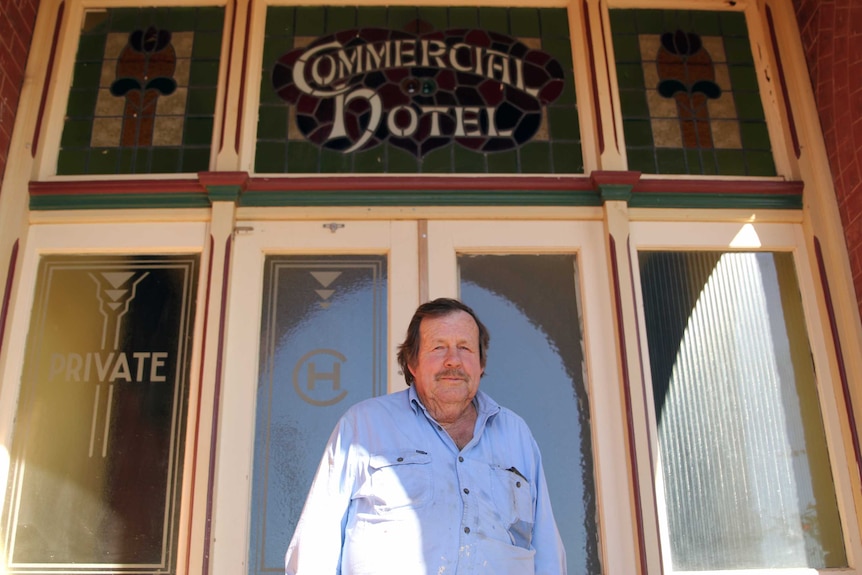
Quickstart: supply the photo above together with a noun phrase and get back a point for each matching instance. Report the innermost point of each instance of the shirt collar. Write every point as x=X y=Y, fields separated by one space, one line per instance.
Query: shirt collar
x=486 y=407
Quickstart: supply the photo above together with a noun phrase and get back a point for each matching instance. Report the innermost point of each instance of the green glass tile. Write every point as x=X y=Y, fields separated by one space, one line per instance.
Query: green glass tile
x=524 y=23
x=671 y=161
x=279 y=21
x=568 y=96
x=210 y=18
x=165 y=161
x=195 y=160
x=272 y=122
x=162 y=18
x=559 y=48
x=641 y=160
x=372 y=17
x=760 y=163
x=748 y=106
x=91 y=47
x=71 y=162
x=627 y=49
x=125 y=19
x=186 y=18
x=87 y=75
x=269 y=157
x=743 y=78
x=142 y=161
x=730 y=162
x=400 y=161
x=563 y=123
x=676 y=20
x=76 y=134
x=738 y=51
x=634 y=104
x=755 y=136
x=207 y=45
x=554 y=22
x=333 y=162
x=503 y=162
x=340 y=18
x=650 y=22
x=198 y=131
x=302 y=157
x=733 y=23
x=268 y=95
x=567 y=158
x=370 y=161
x=126 y=162
x=82 y=103
x=705 y=23
x=637 y=132
x=201 y=101
x=435 y=16
x=400 y=17
x=630 y=76
x=439 y=161
x=468 y=161
x=494 y=20
x=95 y=22
x=535 y=158
x=463 y=17
x=623 y=22
x=204 y=73
x=103 y=161
x=310 y=20
x=694 y=161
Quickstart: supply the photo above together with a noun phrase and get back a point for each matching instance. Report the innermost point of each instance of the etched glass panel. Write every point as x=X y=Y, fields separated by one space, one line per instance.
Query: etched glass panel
x=531 y=304
x=323 y=348
x=98 y=443
x=744 y=461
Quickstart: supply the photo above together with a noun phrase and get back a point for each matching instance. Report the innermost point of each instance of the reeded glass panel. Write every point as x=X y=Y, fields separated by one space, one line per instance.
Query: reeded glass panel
x=98 y=440
x=689 y=94
x=531 y=305
x=323 y=347
x=427 y=89
x=744 y=461
x=143 y=93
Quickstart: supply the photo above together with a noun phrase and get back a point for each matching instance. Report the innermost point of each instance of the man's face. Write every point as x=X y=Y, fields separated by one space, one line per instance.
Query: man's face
x=447 y=367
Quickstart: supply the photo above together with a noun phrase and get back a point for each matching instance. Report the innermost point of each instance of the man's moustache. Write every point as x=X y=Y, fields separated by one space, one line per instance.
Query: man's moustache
x=451 y=373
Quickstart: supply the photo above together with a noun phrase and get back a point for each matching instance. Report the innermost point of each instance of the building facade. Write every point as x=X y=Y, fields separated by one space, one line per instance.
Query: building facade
x=216 y=219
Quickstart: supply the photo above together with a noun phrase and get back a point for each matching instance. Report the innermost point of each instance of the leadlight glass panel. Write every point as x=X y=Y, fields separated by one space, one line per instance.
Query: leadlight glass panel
x=689 y=94
x=744 y=461
x=143 y=93
x=417 y=90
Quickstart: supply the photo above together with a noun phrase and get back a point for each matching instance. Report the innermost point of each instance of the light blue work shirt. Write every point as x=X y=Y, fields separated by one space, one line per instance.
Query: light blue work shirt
x=394 y=496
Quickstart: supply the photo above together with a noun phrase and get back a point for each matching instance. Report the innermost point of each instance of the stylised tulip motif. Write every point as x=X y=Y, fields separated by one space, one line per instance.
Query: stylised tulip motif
x=145 y=71
x=687 y=75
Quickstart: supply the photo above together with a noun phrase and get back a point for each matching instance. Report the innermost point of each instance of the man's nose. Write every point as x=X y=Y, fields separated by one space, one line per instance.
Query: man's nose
x=453 y=356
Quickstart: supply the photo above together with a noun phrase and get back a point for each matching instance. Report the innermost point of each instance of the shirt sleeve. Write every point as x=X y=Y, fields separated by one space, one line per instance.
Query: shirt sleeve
x=315 y=548
x=550 y=557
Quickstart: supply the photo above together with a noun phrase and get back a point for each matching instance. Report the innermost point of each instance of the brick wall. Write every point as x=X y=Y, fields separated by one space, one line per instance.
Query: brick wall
x=832 y=38
x=17 y=18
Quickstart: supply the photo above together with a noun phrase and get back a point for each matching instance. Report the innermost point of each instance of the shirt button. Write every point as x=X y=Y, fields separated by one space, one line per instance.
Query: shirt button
x=461 y=459
x=466 y=530
x=467 y=491
x=400 y=459
x=517 y=484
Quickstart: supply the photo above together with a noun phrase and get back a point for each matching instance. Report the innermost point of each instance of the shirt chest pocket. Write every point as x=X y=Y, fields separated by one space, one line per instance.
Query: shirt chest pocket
x=514 y=502
x=398 y=480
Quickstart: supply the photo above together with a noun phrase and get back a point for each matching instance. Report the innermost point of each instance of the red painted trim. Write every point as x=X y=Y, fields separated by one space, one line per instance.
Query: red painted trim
x=839 y=353
x=7 y=293
x=562 y=183
x=755 y=187
x=633 y=459
x=216 y=406
x=49 y=73
x=597 y=118
x=782 y=83
x=196 y=440
x=115 y=187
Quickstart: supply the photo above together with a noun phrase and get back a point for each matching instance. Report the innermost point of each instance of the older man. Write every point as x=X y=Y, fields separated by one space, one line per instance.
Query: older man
x=434 y=479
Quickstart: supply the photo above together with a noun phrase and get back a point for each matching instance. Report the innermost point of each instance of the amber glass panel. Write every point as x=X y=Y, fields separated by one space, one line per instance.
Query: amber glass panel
x=531 y=305
x=744 y=460
x=98 y=440
x=323 y=348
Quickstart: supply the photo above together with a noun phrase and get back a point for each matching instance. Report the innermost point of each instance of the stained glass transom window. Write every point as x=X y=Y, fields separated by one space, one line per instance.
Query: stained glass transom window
x=689 y=94
x=144 y=91
x=417 y=90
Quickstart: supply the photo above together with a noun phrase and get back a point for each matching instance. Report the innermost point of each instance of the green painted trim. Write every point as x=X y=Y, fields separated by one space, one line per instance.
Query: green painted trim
x=228 y=193
x=717 y=201
x=419 y=198
x=615 y=192
x=118 y=201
